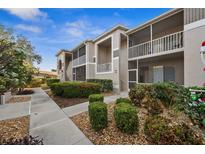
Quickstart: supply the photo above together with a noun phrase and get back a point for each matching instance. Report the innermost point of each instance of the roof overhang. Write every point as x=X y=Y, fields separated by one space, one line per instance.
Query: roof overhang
x=156 y=19
x=121 y=27
x=63 y=51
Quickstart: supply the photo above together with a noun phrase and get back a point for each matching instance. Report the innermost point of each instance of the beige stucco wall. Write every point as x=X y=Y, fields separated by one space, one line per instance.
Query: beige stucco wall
x=177 y=63
x=61 y=72
x=123 y=66
x=194 y=74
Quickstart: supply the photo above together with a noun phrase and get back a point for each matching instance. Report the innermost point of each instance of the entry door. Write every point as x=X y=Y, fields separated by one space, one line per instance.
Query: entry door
x=158 y=74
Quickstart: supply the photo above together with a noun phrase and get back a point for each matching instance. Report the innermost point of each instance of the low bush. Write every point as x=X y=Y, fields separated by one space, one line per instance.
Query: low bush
x=159 y=130
x=25 y=92
x=169 y=94
x=187 y=135
x=27 y=140
x=138 y=93
x=51 y=81
x=98 y=115
x=35 y=82
x=96 y=98
x=172 y=94
x=124 y=100
x=126 y=118
x=75 y=89
x=106 y=84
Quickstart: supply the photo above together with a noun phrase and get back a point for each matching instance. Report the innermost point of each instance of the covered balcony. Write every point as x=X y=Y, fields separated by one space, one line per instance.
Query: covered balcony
x=79 y=56
x=159 y=37
x=104 y=56
x=164 y=68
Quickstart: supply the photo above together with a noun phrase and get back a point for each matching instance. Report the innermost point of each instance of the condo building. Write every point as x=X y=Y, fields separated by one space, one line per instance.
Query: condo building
x=166 y=48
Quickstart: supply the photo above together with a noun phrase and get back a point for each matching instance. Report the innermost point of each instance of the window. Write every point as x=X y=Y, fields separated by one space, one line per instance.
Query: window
x=169 y=74
x=132 y=64
x=132 y=76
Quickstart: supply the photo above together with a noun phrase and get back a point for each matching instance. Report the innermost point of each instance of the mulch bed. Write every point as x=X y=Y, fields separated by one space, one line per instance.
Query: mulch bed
x=112 y=135
x=14 y=129
x=25 y=92
x=19 y=99
x=66 y=102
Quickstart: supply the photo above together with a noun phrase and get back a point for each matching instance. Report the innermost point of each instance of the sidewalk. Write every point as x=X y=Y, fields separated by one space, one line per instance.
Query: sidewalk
x=79 y=108
x=49 y=122
x=14 y=110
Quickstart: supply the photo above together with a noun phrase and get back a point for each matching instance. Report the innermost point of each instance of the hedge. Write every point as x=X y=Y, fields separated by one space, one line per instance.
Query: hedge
x=126 y=118
x=75 y=89
x=96 y=98
x=124 y=100
x=106 y=84
x=51 y=81
x=98 y=115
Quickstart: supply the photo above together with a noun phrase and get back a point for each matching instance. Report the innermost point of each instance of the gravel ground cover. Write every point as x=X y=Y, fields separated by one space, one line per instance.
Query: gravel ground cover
x=14 y=129
x=111 y=135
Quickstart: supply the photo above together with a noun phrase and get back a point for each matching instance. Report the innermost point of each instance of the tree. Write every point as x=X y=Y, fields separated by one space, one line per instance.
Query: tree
x=17 y=57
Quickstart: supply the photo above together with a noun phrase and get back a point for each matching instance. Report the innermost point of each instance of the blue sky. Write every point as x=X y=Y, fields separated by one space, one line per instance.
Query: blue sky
x=52 y=29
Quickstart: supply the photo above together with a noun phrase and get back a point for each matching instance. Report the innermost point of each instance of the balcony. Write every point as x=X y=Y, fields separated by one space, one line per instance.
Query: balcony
x=79 y=61
x=169 y=42
x=104 y=67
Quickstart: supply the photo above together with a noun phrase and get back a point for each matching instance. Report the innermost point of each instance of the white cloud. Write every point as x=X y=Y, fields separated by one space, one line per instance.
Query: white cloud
x=27 y=14
x=28 y=28
x=82 y=28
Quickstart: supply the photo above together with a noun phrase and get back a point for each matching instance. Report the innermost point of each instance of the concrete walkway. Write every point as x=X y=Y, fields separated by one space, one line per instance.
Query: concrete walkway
x=14 y=110
x=49 y=122
x=79 y=108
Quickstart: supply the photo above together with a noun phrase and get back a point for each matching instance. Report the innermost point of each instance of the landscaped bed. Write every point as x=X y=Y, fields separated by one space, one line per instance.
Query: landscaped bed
x=14 y=129
x=153 y=114
x=112 y=135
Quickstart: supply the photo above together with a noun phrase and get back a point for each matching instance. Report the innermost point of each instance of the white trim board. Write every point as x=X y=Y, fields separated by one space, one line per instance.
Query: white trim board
x=195 y=24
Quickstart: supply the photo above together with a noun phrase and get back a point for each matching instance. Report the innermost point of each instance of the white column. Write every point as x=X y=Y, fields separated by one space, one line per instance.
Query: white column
x=137 y=71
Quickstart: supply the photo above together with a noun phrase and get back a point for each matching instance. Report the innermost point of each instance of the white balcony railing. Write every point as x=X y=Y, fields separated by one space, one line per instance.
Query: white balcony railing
x=104 y=67
x=163 y=44
x=79 y=61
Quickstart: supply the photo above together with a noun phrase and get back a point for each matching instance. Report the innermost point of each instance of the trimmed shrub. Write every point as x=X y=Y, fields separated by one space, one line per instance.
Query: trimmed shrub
x=75 y=89
x=106 y=84
x=126 y=118
x=57 y=89
x=159 y=130
x=96 y=98
x=51 y=81
x=124 y=100
x=98 y=115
